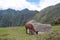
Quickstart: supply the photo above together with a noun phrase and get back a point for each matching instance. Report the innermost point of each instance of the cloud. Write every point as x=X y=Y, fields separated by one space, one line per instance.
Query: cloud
x=22 y=4
x=45 y=3
x=17 y=4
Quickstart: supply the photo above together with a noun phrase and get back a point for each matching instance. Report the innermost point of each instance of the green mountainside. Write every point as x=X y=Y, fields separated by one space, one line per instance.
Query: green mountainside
x=50 y=15
x=11 y=17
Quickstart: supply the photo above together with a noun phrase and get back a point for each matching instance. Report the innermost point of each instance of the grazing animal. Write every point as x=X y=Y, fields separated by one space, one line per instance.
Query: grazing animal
x=34 y=27
x=30 y=29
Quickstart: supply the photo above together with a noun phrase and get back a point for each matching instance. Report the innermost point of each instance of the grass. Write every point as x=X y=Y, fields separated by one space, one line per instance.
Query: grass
x=18 y=33
x=56 y=28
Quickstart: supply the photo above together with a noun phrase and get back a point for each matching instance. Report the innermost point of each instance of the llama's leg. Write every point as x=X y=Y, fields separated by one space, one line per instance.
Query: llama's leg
x=31 y=31
x=26 y=31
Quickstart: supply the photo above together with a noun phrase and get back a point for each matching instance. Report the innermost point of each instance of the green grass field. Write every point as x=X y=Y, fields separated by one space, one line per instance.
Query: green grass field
x=18 y=33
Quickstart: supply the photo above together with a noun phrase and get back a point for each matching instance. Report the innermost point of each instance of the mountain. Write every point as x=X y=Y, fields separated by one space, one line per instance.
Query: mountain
x=25 y=11
x=49 y=15
x=11 y=17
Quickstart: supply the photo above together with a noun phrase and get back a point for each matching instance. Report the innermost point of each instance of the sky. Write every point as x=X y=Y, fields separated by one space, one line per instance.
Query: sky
x=30 y=4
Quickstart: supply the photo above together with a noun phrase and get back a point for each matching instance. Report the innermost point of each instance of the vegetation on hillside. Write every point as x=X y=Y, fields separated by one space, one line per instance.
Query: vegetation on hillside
x=49 y=15
x=10 y=17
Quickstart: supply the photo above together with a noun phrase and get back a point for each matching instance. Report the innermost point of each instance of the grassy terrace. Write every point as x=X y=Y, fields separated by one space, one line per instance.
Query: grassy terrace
x=18 y=33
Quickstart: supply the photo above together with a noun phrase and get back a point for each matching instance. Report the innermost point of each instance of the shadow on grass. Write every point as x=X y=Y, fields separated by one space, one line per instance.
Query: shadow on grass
x=3 y=35
x=5 y=38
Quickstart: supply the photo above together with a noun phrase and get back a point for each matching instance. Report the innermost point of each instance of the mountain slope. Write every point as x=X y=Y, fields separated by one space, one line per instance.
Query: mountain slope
x=49 y=15
x=11 y=17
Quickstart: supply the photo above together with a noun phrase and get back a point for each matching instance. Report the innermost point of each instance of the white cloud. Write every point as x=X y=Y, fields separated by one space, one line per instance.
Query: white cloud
x=21 y=4
x=16 y=4
x=46 y=3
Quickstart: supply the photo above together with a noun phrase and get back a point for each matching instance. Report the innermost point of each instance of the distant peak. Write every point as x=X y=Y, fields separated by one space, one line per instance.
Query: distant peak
x=9 y=9
x=25 y=9
x=57 y=4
